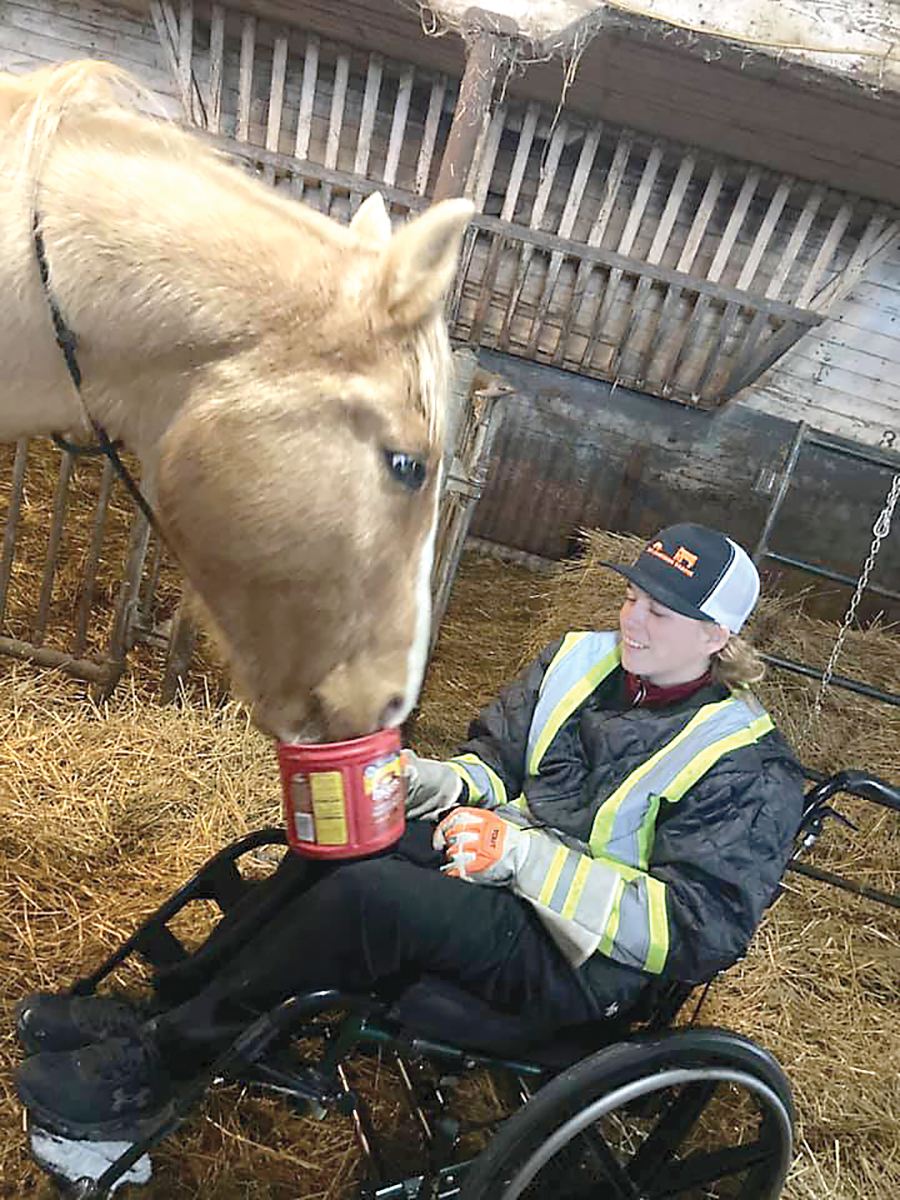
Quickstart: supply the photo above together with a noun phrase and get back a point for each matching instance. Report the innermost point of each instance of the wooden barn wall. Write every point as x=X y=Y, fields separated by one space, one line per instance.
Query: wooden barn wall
x=574 y=453
x=844 y=377
x=44 y=32
x=650 y=201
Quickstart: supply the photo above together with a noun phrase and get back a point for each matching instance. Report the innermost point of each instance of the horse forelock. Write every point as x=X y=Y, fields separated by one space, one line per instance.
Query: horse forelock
x=430 y=353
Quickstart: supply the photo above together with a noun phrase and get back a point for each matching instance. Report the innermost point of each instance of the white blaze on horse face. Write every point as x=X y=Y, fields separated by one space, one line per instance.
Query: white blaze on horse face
x=418 y=653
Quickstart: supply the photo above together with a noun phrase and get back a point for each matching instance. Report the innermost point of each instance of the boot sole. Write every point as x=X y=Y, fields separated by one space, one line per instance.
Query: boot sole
x=125 y=1129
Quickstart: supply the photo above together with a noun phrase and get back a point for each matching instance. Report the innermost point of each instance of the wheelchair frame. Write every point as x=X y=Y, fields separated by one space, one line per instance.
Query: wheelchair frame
x=655 y=1074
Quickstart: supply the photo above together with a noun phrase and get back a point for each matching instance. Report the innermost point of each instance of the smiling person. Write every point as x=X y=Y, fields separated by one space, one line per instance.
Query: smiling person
x=629 y=786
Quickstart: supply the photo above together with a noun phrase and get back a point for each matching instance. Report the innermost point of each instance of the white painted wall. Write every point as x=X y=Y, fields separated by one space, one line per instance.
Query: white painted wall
x=859 y=37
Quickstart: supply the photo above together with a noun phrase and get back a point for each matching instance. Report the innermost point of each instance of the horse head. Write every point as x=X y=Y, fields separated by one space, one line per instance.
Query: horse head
x=299 y=485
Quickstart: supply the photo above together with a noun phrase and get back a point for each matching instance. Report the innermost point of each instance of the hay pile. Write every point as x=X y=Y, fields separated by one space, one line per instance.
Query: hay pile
x=39 y=494
x=38 y=498
x=104 y=813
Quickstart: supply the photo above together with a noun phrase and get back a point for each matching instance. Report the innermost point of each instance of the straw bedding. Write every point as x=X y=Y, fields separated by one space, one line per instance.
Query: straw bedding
x=104 y=812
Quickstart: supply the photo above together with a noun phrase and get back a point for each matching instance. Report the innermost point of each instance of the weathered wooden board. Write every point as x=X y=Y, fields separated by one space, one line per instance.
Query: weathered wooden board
x=538 y=304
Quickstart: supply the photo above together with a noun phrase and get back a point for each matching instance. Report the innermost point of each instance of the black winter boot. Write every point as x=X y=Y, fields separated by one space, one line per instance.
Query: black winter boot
x=114 y=1090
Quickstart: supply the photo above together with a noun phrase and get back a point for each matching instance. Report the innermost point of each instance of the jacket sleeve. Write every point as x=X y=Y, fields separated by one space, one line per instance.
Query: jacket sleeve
x=492 y=761
x=720 y=860
x=716 y=865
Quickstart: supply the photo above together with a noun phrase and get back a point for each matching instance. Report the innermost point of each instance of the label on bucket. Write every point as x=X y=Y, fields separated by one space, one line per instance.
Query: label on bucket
x=384 y=785
x=320 y=813
x=329 y=808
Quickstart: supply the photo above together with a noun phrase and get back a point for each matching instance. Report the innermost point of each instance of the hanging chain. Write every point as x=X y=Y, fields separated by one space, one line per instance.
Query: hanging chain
x=880 y=530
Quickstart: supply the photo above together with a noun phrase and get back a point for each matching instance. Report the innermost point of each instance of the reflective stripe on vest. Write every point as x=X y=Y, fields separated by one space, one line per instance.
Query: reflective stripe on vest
x=632 y=905
x=624 y=825
x=637 y=932
x=484 y=784
x=581 y=663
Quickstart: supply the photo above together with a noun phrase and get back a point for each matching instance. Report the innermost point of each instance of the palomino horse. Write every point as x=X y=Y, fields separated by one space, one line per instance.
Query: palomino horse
x=281 y=377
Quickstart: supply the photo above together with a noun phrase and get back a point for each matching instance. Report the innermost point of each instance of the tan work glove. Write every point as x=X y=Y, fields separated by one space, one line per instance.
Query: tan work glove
x=432 y=787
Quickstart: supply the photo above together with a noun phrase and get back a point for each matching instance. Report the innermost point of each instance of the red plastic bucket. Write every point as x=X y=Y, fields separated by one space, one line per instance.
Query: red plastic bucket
x=344 y=799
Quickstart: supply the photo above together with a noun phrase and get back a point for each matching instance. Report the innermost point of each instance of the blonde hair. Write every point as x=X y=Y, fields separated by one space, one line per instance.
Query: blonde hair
x=737 y=664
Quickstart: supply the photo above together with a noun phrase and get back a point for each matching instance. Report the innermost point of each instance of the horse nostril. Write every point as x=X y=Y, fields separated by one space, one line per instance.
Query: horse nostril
x=390 y=714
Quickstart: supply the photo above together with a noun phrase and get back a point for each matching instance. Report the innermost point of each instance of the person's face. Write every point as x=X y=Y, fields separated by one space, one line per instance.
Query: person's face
x=663 y=646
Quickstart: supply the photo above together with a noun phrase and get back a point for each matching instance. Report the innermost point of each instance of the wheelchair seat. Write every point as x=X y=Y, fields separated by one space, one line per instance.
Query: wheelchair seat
x=437 y=1009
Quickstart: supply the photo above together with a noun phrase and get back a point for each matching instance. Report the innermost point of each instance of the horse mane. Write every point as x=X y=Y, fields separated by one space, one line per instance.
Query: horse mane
x=97 y=102
x=86 y=94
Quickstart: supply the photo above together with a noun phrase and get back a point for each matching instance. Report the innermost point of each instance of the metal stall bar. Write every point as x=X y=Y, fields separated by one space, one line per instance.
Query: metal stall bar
x=762 y=546
x=851 y=685
x=12 y=522
x=803 y=437
x=827 y=573
x=53 y=547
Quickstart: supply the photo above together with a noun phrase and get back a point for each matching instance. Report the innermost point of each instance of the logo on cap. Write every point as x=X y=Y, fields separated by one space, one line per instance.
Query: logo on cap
x=683 y=560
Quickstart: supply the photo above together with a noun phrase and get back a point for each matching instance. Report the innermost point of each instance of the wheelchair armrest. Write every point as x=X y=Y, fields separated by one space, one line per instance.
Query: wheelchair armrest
x=870 y=787
x=218 y=880
x=853 y=783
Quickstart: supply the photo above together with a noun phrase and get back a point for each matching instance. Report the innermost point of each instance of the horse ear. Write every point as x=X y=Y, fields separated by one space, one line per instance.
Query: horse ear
x=419 y=264
x=372 y=221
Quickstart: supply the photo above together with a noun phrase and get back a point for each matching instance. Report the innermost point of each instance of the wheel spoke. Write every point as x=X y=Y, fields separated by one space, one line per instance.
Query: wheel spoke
x=702 y=1169
x=606 y=1162
x=674 y=1124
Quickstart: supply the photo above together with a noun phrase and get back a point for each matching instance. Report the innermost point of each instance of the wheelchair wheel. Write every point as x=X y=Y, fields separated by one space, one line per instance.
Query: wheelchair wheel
x=692 y=1114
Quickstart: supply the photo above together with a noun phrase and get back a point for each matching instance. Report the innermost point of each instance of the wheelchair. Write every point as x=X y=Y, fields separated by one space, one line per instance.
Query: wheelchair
x=629 y=1108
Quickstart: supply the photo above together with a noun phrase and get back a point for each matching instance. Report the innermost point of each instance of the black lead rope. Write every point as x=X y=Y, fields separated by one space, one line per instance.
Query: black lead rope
x=67 y=343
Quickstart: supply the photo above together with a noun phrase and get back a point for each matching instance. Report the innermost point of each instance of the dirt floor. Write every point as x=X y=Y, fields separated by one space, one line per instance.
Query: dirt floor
x=104 y=812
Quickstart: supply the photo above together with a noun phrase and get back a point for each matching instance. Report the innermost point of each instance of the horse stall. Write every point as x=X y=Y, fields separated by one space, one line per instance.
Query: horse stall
x=660 y=309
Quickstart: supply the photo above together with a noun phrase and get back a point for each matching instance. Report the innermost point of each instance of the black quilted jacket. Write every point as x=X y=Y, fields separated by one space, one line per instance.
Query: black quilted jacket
x=721 y=850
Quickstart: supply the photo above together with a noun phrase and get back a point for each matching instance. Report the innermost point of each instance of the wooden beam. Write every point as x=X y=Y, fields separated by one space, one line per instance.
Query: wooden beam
x=374 y=76
x=216 y=59
x=305 y=111
x=342 y=180
x=489 y=39
x=245 y=87
x=335 y=125
x=429 y=135
x=276 y=100
x=398 y=125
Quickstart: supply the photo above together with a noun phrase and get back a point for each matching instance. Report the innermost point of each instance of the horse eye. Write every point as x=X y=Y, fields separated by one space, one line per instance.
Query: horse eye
x=405 y=469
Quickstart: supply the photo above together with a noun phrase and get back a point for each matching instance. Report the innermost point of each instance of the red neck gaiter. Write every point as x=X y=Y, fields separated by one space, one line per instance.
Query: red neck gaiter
x=644 y=694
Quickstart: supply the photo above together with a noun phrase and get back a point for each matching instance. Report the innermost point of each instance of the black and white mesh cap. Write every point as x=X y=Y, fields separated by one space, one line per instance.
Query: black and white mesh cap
x=699 y=573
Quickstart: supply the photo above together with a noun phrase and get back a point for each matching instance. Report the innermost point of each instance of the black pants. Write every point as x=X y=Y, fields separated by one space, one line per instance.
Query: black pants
x=374 y=924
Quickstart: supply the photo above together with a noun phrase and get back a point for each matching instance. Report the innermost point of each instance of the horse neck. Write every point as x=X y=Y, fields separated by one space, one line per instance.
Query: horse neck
x=178 y=261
